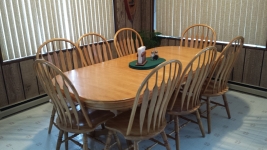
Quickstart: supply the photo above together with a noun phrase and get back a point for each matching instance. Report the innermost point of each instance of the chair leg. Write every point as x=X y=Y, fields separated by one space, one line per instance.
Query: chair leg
x=103 y=126
x=163 y=134
x=208 y=114
x=85 y=144
x=117 y=140
x=59 y=140
x=226 y=106
x=107 y=145
x=171 y=118
x=136 y=147
x=129 y=144
x=200 y=123
x=176 y=126
x=51 y=120
x=66 y=141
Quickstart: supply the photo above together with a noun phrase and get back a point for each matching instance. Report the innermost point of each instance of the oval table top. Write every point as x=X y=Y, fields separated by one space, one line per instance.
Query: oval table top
x=112 y=85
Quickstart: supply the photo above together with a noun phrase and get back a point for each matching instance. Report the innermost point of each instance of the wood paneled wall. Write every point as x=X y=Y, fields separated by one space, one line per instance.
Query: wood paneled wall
x=20 y=83
x=143 y=16
x=3 y=96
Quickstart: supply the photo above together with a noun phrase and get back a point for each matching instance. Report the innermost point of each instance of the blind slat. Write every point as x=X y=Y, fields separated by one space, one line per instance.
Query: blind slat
x=3 y=37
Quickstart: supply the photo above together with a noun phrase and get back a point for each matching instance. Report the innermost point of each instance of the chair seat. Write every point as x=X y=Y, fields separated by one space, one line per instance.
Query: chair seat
x=214 y=89
x=97 y=117
x=120 y=124
x=178 y=110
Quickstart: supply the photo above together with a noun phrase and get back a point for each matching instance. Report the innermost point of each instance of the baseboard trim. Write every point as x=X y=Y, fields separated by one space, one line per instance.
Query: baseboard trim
x=20 y=107
x=250 y=90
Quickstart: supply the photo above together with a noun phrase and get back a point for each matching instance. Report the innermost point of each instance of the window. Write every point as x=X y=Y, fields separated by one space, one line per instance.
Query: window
x=26 y=24
x=229 y=18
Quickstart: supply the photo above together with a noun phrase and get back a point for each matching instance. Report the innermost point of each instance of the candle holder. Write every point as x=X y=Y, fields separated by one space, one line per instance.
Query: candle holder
x=141 y=56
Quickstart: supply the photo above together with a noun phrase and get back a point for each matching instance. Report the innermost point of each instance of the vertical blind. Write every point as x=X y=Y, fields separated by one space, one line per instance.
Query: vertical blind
x=26 y=24
x=229 y=18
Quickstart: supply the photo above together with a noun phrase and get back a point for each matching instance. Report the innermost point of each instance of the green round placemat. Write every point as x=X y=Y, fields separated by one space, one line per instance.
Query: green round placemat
x=149 y=64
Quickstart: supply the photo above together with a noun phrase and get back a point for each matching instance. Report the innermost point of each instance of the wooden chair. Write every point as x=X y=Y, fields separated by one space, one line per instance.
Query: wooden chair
x=126 y=41
x=71 y=118
x=147 y=117
x=61 y=52
x=186 y=98
x=64 y=54
x=216 y=83
x=95 y=48
x=198 y=36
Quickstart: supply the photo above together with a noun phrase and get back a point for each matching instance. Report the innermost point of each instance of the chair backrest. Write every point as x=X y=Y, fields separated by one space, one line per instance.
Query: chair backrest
x=192 y=79
x=126 y=41
x=154 y=94
x=95 y=48
x=63 y=100
x=61 y=52
x=218 y=78
x=198 y=36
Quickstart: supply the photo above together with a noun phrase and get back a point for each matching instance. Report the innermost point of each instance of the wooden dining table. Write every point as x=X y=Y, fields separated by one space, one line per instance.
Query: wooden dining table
x=112 y=85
